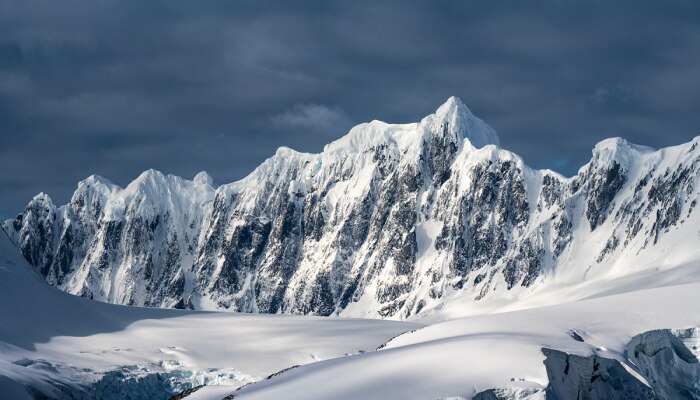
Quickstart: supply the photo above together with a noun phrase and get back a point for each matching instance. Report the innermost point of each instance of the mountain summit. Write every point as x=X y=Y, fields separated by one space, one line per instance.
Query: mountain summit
x=391 y=220
x=462 y=124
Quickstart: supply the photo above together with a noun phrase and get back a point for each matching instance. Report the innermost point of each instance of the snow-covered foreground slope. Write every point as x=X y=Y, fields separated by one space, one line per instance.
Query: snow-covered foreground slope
x=393 y=221
x=62 y=346
x=57 y=345
x=509 y=352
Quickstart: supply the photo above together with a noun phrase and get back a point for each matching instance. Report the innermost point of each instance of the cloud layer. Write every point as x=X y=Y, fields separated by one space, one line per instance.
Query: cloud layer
x=314 y=118
x=116 y=87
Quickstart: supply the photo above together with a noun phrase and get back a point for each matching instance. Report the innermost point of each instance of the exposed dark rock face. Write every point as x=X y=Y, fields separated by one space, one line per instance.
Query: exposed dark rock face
x=37 y=246
x=603 y=187
x=443 y=148
x=385 y=222
x=185 y=393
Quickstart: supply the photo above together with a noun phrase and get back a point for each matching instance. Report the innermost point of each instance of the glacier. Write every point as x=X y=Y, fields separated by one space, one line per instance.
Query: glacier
x=624 y=350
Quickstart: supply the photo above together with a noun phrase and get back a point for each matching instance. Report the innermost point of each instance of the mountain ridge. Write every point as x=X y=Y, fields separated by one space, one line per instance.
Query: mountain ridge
x=391 y=220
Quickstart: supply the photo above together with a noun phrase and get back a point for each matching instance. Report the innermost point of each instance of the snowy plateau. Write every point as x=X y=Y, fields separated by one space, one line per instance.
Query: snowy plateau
x=405 y=261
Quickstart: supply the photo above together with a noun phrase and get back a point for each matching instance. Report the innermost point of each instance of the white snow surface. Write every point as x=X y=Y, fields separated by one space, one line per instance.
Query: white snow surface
x=462 y=357
x=73 y=340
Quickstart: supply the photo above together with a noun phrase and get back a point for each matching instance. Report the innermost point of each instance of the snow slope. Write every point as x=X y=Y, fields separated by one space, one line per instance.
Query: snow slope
x=464 y=357
x=61 y=344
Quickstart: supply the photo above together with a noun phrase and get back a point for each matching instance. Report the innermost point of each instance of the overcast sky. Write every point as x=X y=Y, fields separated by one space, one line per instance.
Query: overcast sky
x=117 y=87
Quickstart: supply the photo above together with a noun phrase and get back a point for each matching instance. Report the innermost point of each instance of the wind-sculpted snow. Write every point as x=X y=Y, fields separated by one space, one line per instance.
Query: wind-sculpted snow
x=610 y=347
x=389 y=221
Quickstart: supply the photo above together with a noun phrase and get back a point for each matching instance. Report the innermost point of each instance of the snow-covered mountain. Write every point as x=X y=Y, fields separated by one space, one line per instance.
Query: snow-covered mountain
x=393 y=221
x=642 y=344
x=428 y=221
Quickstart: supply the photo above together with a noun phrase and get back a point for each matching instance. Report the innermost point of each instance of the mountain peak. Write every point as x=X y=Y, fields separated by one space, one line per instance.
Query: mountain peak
x=451 y=105
x=203 y=178
x=619 y=144
x=618 y=150
x=464 y=125
x=96 y=179
x=42 y=197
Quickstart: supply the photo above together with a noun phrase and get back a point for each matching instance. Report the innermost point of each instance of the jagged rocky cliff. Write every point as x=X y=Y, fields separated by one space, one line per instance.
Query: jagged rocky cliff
x=388 y=221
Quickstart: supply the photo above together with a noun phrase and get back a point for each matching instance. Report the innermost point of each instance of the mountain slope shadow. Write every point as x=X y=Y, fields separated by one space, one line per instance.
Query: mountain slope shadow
x=33 y=312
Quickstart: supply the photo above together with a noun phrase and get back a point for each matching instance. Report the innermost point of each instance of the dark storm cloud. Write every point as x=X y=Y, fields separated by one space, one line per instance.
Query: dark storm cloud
x=116 y=87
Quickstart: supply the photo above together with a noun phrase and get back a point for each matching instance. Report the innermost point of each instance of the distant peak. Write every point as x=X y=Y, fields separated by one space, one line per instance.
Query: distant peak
x=203 y=178
x=616 y=150
x=95 y=179
x=94 y=184
x=284 y=150
x=465 y=125
x=617 y=144
x=610 y=143
x=453 y=105
x=150 y=175
x=43 y=197
x=150 y=180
